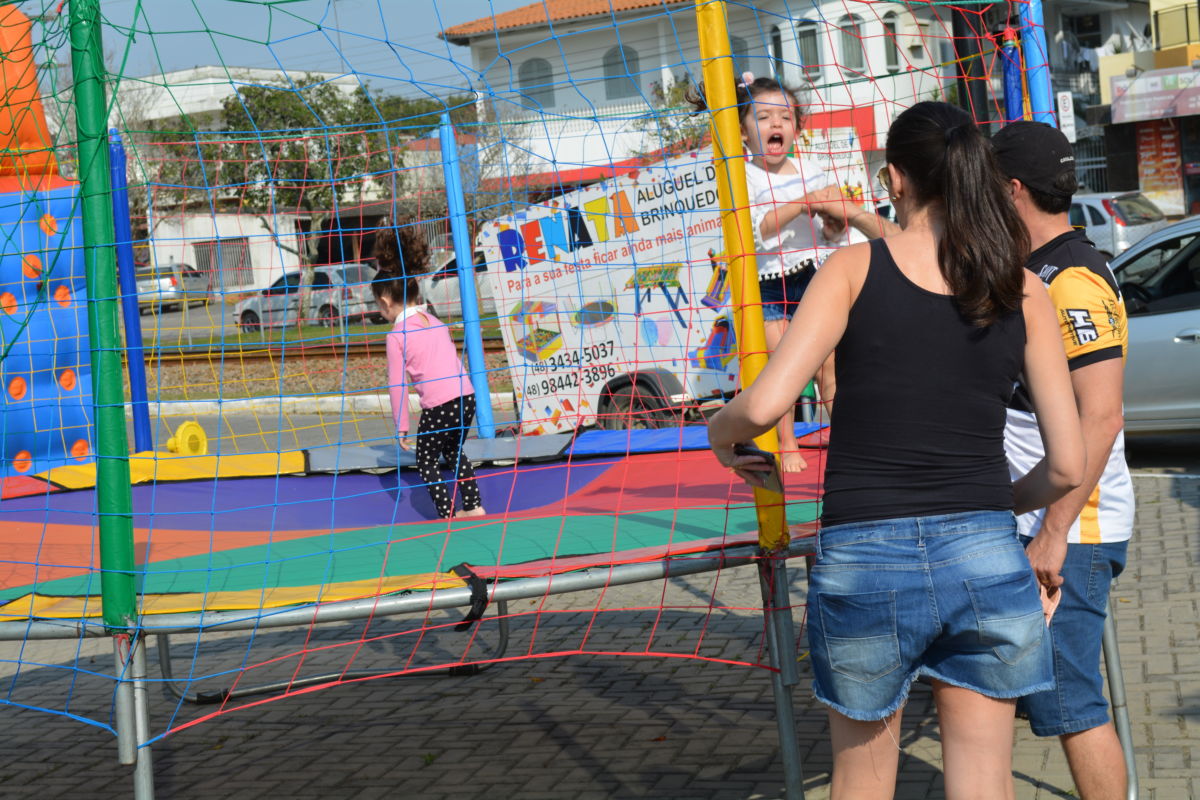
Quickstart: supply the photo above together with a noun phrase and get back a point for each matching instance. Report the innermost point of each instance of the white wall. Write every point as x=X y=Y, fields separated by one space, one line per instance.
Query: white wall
x=172 y=238
x=199 y=91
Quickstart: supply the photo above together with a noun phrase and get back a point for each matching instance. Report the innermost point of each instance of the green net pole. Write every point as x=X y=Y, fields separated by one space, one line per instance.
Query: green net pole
x=114 y=499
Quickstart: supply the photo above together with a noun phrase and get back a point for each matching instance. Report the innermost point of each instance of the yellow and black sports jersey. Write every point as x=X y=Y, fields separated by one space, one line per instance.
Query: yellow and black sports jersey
x=1091 y=316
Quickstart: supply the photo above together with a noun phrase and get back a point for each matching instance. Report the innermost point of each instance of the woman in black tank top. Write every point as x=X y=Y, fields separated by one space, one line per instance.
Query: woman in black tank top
x=919 y=570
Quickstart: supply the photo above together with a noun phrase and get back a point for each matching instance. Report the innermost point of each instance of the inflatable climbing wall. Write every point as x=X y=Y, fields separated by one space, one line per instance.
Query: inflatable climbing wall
x=45 y=369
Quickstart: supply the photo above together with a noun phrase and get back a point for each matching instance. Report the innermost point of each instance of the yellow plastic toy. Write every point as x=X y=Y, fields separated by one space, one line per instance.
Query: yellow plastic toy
x=189 y=440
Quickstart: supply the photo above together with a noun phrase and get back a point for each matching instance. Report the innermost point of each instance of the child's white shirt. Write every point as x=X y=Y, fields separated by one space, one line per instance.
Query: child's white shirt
x=800 y=240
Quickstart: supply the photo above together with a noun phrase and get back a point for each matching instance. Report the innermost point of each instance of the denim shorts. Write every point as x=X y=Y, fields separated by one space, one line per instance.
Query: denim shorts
x=781 y=295
x=951 y=597
x=1076 y=703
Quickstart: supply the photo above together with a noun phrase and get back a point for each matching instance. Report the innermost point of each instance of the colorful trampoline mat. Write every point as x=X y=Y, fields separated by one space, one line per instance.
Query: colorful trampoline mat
x=296 y=539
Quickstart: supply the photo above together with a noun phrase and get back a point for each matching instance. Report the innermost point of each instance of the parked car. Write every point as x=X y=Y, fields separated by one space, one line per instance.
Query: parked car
x=162 y=287
x=1160 y=281
x=1115 y=221
x=340 y=292
x=440 y=290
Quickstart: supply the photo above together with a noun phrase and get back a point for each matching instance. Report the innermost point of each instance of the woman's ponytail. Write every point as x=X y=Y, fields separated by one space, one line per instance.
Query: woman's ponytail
x=983 y=247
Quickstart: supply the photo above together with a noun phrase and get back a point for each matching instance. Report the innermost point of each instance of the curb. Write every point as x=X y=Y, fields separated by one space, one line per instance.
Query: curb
x=315 y=404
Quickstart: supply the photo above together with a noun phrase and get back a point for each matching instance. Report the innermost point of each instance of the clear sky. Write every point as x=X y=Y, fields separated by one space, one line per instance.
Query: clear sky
x=391 y=44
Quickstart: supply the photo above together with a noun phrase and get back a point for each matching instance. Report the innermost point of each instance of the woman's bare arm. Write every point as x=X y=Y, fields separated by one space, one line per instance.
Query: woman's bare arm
x=811 y=336
x=1049 y=383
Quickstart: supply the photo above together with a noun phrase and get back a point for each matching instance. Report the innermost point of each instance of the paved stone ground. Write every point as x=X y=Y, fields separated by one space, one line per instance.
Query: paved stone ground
x=582 y=726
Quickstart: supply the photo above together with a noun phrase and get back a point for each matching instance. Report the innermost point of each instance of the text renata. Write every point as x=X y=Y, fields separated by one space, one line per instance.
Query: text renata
x=601 y=219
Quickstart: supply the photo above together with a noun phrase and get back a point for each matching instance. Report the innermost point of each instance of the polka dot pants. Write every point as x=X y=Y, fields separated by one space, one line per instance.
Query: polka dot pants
x=440 y=434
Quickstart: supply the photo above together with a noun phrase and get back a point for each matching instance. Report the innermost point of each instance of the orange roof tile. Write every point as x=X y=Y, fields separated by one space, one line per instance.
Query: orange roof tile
x=540 y=13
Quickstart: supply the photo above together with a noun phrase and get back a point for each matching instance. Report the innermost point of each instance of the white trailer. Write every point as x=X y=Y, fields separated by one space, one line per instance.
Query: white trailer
x=614 y=300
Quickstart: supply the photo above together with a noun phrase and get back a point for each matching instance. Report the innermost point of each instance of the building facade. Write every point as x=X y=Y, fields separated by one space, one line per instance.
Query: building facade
x=1153 y=94
x=583 y=88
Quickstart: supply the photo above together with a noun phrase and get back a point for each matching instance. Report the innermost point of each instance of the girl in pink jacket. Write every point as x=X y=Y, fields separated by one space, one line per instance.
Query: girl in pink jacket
x=421 y=354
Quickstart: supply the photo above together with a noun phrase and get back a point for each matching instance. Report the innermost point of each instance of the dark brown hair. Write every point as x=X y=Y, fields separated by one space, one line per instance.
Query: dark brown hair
x=746 y=92
x=402 y=255
x=1065 y=184
x=949 y=166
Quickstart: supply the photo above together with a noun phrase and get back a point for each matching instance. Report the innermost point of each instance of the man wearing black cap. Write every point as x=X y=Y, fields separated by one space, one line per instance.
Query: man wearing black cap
x=1078 y=544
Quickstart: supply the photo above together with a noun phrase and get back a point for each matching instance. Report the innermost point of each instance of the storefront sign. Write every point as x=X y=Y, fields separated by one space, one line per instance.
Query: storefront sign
x=1156 y=94
x=1159 y=165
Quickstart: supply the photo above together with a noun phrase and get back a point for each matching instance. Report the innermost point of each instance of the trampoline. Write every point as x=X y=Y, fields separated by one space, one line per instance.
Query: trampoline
x=318 y=537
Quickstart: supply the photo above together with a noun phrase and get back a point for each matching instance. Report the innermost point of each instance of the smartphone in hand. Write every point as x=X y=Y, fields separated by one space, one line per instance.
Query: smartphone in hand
x=772 y=480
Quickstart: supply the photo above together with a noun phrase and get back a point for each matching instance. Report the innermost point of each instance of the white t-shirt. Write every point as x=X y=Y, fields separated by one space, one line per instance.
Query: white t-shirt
x=800 y=240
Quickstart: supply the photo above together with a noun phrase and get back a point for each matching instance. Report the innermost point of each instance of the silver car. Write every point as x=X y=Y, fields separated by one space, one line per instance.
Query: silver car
x=1160 y=281
x=162 y=287
x=1115 y=221
x=340 y=293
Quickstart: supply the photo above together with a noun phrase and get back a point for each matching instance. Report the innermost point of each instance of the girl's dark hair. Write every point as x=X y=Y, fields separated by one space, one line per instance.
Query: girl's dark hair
x=949 y=165
x=402 y=255
x=746 y=92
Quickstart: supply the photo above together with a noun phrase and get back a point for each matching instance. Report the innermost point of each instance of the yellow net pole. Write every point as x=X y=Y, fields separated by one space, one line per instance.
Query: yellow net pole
x=721 y=97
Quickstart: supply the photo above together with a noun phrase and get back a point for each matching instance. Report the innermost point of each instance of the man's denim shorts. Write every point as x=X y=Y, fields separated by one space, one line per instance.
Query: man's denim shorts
x=951 y=596
x=1077 y=703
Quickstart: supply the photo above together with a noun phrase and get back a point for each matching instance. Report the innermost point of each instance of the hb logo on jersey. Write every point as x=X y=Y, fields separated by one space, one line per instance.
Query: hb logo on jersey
x=1081 y=323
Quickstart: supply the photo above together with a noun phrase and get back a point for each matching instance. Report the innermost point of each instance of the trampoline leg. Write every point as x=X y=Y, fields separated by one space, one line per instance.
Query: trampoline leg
x=132 y=713
x=1116 y=694
x=777 y=612
x=143 y=770
x=123 y=702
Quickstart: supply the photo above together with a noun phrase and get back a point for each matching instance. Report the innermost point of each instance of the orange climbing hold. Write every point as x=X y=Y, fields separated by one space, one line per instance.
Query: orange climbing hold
x=48 y=224
x=17 y=388
x=31 y=265
x=62 y=295
x=66 y=379
x=79 y=450
x=8 y=302
x=22 y=461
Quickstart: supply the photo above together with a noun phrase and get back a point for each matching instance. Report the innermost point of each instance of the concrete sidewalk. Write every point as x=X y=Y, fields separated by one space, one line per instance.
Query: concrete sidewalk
x=589 y=725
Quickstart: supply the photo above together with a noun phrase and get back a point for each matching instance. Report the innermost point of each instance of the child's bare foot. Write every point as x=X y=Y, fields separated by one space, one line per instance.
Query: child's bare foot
x=792 y=461
x=474 y=512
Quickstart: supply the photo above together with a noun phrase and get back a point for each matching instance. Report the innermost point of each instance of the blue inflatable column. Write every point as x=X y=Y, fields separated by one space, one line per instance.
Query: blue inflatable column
x=127 y=279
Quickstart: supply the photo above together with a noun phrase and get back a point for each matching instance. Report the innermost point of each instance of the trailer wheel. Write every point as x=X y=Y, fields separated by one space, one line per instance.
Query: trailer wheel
x=633 y=406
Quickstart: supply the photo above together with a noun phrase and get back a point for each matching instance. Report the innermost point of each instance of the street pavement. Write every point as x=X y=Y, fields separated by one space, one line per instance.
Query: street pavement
x=590 y=724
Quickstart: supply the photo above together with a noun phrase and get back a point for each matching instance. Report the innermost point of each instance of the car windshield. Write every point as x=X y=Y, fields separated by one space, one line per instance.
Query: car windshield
x=359 y=273
x=1137 y=209
x=1142 y=269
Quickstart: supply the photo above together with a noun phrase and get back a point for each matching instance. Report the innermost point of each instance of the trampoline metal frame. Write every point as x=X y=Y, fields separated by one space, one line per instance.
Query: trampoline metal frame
x=132 y=704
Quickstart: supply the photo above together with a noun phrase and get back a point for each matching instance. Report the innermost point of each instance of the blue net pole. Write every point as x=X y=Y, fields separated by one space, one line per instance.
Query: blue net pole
x=472 y=330
x=1037 y=61
x=143 y=441
x=1014 y=97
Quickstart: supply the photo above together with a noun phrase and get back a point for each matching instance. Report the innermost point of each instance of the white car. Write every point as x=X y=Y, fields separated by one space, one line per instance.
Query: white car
x=339 y=292
x=1115 y=221
x=1160 y=281
x=440 y=290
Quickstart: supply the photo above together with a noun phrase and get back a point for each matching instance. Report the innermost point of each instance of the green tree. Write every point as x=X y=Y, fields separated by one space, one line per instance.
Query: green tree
x=672 y=126
x=302 y=149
